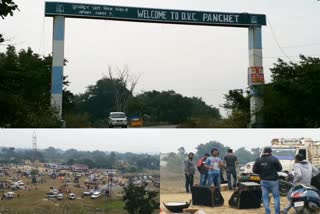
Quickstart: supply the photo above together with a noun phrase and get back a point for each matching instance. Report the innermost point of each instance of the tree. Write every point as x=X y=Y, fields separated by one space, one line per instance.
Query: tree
x=206 y=148
x=25 y=90
x=244 y=156
x=292 y=98
x=138 y=200
x=170 y=107
x=127 y=81
x=237 y=103
x=7 y=7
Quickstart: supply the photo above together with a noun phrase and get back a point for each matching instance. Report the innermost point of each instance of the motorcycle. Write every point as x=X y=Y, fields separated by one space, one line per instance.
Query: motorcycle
x=305 y=199
x=285 y=182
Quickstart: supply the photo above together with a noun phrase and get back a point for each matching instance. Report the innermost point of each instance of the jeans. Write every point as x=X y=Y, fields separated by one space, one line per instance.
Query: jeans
x=189 y=182
x=232 y=171
x=289 y=199
x=214 y=179
x=270 y=187
x=203 y=179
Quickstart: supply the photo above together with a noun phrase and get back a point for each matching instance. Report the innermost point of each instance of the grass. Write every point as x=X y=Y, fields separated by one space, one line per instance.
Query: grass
x=34 y=201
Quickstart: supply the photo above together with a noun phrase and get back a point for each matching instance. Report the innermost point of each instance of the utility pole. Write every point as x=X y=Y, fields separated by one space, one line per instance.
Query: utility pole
x=34 y=146
x=256 y=77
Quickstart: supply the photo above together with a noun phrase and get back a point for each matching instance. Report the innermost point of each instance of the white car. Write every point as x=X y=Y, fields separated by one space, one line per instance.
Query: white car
x=9 y=195
x=247 y=168
x=60 y=196
x=117 y=119
x=95 y=195
x=72 y=196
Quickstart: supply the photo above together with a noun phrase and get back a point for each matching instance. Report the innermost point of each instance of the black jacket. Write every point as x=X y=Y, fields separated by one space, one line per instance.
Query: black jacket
x=267 y=167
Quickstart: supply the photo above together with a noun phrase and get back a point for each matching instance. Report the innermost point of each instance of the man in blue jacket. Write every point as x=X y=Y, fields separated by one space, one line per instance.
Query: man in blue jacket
x=267 y=167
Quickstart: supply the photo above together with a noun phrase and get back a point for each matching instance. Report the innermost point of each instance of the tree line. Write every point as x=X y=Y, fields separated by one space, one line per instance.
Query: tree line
x=129 y=162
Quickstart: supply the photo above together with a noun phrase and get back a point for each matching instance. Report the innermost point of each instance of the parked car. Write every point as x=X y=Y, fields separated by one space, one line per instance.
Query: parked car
x=95 y=195
x=9 y=195
x=136 y=121
x=246 y=169
x=72 y=196
x=52 y=195
x=60 y=196
x=117 y=119
x=87 y=193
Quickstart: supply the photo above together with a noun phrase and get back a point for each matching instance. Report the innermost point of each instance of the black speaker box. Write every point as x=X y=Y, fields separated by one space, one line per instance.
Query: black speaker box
x=244 y=199
x=206 y=196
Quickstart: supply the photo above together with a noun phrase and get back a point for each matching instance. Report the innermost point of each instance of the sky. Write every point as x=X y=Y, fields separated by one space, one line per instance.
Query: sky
x=129 y=140
x=197 y=61
x=171 y=140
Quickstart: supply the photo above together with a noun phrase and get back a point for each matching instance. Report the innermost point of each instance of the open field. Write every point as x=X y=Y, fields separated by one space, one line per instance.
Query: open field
x=35 y=201
x=172 y=189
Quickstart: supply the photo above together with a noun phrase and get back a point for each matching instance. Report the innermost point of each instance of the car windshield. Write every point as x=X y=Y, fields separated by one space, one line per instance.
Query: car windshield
x=118 y=115
x=284 y=153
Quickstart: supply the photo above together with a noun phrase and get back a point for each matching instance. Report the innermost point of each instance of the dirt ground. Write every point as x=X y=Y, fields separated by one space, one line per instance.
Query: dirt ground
x=225 y=209
x=172 y=189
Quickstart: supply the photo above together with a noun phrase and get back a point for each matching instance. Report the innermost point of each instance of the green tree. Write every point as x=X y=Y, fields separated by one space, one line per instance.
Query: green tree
x=7 y=7
x=244 y=156
x=206 y=148
x=25 y=90
x=292 y=98
x=99 y=99
x=138 y=200
x=237 y=103
x=170 y=107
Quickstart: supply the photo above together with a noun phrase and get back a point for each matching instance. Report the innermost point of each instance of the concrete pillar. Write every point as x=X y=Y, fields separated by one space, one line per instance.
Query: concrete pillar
x=256 y=90
x=57 y=63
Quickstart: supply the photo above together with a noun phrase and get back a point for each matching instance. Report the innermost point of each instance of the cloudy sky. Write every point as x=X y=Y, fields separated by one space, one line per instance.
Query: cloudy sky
x=171 y=140
x=192 y=60
x=129 y=140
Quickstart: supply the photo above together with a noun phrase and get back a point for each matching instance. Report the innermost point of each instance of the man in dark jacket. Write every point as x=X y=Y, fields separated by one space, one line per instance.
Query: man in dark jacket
x=189 y=171
x=267 y=167
x=203 y=170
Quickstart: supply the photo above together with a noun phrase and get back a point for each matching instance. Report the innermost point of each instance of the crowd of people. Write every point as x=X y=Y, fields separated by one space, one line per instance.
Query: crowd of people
x=211 y=168
x=267 y=167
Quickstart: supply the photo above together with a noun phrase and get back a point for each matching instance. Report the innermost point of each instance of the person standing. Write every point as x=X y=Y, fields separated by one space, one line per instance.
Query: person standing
x=214 y=164
x=303 y=173
x=267 y=167
x=203 y=170
x=189 y=171
x=231 y=161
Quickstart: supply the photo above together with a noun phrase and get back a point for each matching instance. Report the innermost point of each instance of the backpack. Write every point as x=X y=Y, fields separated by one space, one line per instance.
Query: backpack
x=200 y=163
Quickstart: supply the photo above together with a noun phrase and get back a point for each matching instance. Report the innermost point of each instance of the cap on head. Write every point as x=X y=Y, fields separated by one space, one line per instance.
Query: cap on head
x=191 y=153
x=267 y=150
x=299 y=157
x=230 y=150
